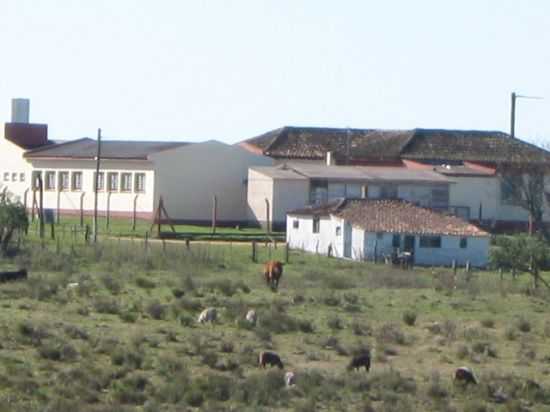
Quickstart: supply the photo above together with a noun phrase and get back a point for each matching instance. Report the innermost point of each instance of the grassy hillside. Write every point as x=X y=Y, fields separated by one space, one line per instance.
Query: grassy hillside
x=126 y=337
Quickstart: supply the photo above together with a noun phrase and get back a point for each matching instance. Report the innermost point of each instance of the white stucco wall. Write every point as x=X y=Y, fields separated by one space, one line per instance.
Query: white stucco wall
x=12 y=161
x=188 y=177
x=119 y=202
x=477 y=252
x=288 y=195
x=303 y=237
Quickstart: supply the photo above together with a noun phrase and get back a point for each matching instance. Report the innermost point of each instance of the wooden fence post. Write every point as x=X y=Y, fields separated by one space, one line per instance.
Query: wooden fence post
x=214 y=214
x=453 y=265
x=187 y=244
x=86 y=233
x=108 y=209
x=287 y=253
x=52 y=229
x=254 y=251
x=146 y=241
x=134 y=215
x=82 y=209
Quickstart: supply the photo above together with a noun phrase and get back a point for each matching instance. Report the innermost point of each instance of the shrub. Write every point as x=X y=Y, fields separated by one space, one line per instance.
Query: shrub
x=128 y=316
x=335 y=323
x=194 y=397
x=209 y=359
x=227 y=347
x=156 y=310
x=34 y=333
x=263 y=389
x=129 y=357
x=391 y=333
x=484 y=348
x=475 y=406
x=330 y=299
x=106 y=305
x=436 y=389
x=462 y=352
x=409 y=317
x=112 y=284
x=145 y=283
x=75 y=332
x=178 y=292
x=523 y=325
x=488 y=323
x=360 y=329
x=511 y=333
x=131 y=390
x=58 y=351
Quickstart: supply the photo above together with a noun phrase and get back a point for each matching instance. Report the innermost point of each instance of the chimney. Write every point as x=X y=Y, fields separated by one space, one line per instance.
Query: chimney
x=330 y=161
x=20 y=110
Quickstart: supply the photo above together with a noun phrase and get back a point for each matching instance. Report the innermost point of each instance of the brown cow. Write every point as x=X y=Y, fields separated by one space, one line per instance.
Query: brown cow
x=271 y=359
x=273 y=270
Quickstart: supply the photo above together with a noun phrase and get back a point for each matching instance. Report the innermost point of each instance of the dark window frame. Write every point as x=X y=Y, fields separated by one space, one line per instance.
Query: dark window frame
x=430 y=242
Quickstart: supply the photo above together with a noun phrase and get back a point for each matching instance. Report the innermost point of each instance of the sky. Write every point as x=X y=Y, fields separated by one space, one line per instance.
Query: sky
x=230 y=70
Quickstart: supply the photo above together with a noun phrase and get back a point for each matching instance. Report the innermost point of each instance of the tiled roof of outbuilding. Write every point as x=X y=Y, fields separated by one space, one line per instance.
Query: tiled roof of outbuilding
x=394 y=216
x=438 y=145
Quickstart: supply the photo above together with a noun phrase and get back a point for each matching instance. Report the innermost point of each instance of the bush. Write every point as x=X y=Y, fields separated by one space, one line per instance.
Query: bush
x=106 y=305
x=484 y=348
x=523 y=325
x=391 y=333
x=112 y=284
x=58 y=351
x=436 y=389
x=145 y=283
x=409 y=317
x=462 y=352
x=178 y=292
x=488 y=323
x=131 y=390
x=128 y=316
x=511 y=333
x=74 y=332
x=34 y=333
x=360 y=329
x=129 y=357
x=156 y=310
x=335 y=323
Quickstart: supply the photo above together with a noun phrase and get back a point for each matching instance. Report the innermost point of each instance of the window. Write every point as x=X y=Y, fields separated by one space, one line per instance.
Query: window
x=49 y=184
x=139 y=183
x=76 y=181
x=440 y=197
x=316 y=225
x=338 y=230
x=100 y=181
x=112 y=182
x=6 y=176
x=295 y=224
x=63 y=180
x=430 y=242
x=21 y=177
x=396 y=241
x=510 y=189
x=125 y=182
x=318 y=191
x=388 y=192
x=36 y=177
x=14 y=177
x=463 y=242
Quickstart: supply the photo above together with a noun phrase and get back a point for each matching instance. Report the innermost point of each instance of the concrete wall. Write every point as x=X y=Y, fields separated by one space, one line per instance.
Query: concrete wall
x=303 y=237
x=477 y=252
x=11 y=161
x=288 y=195
x=188 y=177
x=120 y=203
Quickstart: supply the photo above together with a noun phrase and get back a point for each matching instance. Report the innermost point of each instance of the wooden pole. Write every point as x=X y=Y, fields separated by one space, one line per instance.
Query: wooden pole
x=108 y=209
x=82 y=209
x=254 y=251
x=267 y=219
x=214 y=213
x=513 y=116
x=33 y=209
x=97 y=165
x=41 y=206
x=134 y=216
x=287 y=253
x=58 y=205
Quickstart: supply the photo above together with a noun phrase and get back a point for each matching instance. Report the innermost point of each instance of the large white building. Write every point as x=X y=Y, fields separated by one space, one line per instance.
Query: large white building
x=133 y=174
x=485 y=170
x=374 y=229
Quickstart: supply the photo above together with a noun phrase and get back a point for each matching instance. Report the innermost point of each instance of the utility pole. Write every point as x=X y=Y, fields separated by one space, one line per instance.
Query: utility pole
x=513 y=111
x=98 y=160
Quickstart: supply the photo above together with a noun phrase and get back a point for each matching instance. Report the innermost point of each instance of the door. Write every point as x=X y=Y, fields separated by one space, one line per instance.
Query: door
x=347 y=239
x=408 y=244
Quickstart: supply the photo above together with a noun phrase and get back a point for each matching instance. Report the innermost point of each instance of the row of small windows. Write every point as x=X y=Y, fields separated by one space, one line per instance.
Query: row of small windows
x=14 y=177
x=65 y=181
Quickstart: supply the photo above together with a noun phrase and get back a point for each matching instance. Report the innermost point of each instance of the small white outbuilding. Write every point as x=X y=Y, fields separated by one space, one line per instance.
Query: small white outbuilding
x=366 y=229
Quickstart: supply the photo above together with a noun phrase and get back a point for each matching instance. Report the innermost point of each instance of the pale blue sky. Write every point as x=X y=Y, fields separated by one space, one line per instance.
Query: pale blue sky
x=229 y=70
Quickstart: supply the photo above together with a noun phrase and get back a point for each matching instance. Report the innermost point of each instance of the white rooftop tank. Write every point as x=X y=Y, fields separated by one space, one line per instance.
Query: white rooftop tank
x=20 y=110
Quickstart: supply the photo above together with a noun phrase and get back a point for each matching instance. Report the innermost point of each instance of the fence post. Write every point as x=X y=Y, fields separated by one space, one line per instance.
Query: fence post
x=52 y=229
x=453 y=265
x=214 y=213
x=254 y=251
x=146 y=241
x=187 y=244
x=134 y=216
x=163 y=245
x=287 y=253
x=108 y=209
x=82 y=209
x=86 y=233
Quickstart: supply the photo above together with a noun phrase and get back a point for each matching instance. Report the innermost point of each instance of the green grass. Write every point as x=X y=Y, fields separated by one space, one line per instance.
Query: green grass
x=124 y=227
x=126 y=338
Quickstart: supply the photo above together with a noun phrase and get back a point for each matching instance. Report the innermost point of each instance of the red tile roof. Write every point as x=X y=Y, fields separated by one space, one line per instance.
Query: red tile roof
x=394 y=216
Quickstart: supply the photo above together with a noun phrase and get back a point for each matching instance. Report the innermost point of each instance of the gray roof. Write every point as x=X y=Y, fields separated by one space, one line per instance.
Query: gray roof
x=350 y=173
x=86 y=148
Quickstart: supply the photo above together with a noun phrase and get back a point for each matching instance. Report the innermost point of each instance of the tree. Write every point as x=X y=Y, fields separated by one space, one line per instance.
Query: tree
x=521 y=254
x=13 y=218
x=524 y=186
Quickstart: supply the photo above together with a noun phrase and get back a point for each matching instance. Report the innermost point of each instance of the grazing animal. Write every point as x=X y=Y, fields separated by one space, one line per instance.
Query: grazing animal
x=357 y=362
x=271 y=359
x=465 y=375
x=208 y=315
x=273 y=270
x=290 y=379
x=251 y=316
x=13 y=275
